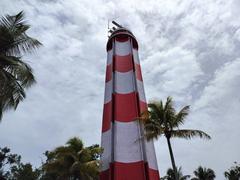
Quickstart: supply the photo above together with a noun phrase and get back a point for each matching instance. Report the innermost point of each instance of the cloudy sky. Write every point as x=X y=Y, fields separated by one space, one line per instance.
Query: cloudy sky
x=188 y=49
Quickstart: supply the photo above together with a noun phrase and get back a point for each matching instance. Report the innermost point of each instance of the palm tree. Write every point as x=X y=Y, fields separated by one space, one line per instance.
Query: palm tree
x=163 y=119
x=72 y=162
x=171 y=175
x=233 y=173
x=15 y=74
x=203 y=174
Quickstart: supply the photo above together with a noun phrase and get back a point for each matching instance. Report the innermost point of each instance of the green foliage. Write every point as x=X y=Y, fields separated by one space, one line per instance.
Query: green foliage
x=163 y=119
x=7 y=161
x=15 y=75
x=171 y=175
x=25 y=172
x=233 y=173
x=11 y=167
x=72 y=161
x=204 y=174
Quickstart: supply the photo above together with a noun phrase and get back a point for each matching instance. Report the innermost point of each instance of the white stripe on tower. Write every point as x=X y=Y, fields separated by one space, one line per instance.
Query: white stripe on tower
x=108 y=91
x=109 y=57
x=135 y=56
x=141 y=91
x=106 y=157
x=127 y=142
x=123 y=48
x=124 y=82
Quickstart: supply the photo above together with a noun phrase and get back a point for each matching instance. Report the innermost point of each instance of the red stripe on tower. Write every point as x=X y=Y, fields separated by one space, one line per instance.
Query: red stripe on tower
x=153 y=174
x=109 y=72
x=138 y=72
x=129 y=171
x=104 y=175
x=123 y=63
x=125 y=107
x=107 y=116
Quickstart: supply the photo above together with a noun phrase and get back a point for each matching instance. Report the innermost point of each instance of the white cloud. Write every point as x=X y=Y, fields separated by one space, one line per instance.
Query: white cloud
x=223 y=88
x=172 y=71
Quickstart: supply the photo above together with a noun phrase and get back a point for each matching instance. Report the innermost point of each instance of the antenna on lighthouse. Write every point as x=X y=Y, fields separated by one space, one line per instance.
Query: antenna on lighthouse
x=112 y=29
x=116 y=24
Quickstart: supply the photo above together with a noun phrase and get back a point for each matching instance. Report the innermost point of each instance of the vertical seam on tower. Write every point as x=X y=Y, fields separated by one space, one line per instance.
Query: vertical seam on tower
x=113 y=109
x=138 y=110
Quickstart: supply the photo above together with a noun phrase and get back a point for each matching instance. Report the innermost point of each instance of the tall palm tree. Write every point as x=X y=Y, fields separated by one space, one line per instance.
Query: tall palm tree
x=163 y=119
x=171 y=175
x=15 y=74
x=204 y=174
x=72 y=162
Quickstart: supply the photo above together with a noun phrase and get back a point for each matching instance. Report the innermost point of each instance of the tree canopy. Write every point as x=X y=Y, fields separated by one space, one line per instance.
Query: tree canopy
x=72 y=161
x=15 y=74
x=171 y=175
x=202 y=173
x=233 y=173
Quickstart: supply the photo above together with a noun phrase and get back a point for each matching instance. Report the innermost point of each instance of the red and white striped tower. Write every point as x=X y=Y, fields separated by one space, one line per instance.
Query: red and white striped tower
x=127 y=155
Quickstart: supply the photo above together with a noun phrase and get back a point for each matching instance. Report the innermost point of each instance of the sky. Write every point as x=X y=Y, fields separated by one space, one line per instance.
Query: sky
x=188 y=49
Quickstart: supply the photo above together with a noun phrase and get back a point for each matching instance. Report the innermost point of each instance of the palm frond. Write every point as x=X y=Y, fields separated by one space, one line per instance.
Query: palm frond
x=11 y=92
x=23 y=44
x=75 y=143
x=16 y=75
x=95 y=151
x=13 y=21
x=155 y=111
x=169 y=113
x=189 y=134
x=144 y=116
x=185 y=177
x=194 y=179
x=171 y=175
x=13 y=37
x=19 y=69
x=181 y=116
x=204 y=173
x=168 y=107
x=153 y=129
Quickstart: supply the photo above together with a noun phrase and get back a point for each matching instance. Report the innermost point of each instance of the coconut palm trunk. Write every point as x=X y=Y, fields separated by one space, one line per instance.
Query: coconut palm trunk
x=172 y=158
x=168 y=136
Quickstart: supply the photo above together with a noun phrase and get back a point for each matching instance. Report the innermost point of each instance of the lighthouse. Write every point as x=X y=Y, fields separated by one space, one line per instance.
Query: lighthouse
x=127 y=155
